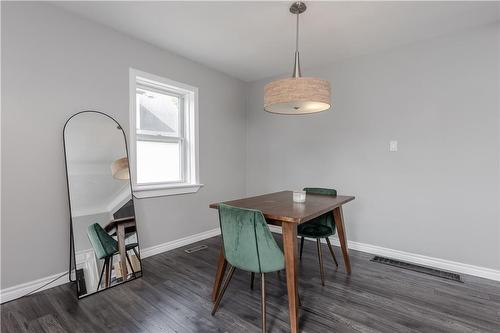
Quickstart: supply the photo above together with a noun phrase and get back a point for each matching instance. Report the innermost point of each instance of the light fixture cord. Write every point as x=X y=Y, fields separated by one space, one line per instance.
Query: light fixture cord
x=297 y=35
x=296 y=66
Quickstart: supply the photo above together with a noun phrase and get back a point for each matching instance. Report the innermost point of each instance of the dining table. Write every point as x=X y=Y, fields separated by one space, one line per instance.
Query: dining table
x=120 y=228
x=279 y=209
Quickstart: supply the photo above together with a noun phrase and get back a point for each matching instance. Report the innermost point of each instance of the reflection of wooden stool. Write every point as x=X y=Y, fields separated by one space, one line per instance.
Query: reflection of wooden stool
x=131 y=246
x=105 y=247
x=120 y=227
x=133 y=265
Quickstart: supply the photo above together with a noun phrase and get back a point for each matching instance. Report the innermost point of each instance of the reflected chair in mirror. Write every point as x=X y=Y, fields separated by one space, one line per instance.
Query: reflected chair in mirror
x=248 y=245
x=320 y=227
x=105 y=247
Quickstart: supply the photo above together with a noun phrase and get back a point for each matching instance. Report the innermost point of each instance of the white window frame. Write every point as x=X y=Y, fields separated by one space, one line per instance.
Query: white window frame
x=188 y=131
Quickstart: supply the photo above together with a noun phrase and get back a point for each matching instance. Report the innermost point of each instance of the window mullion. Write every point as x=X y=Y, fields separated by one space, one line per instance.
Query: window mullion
x=159 y=138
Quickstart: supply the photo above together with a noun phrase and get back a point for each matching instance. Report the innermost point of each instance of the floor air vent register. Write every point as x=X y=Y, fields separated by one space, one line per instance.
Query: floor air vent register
x=195 y=248
x=418 y=268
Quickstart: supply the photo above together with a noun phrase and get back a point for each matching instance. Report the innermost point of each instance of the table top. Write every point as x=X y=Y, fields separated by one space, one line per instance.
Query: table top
x=279 y=206
x=127 y=221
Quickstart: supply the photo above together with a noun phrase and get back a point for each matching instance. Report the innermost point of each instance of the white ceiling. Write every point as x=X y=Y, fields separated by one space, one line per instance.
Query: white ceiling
x=254 y=40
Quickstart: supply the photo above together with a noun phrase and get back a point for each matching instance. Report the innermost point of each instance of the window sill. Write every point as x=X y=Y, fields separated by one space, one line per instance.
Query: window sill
x=152 y=191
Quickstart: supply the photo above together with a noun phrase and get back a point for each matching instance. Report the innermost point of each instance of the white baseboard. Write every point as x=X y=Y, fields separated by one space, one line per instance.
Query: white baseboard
x=17 y=291
x=151 y=251
x=11 y=293
x=484 y=272
x=8 y=294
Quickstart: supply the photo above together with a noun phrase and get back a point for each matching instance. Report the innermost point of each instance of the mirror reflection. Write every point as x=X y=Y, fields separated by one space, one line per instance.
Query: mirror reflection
x=105 y=243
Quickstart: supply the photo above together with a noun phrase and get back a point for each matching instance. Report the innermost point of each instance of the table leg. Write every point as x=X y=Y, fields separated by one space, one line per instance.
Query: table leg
x=221 y=268
x=120 y=234
x=290 y=247
x=339 y=223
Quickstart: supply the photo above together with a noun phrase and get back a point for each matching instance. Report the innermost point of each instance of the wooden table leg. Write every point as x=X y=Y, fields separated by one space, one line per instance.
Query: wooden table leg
x=221 y=268
x=339 y=223
x=120 y=234
x=290 y=247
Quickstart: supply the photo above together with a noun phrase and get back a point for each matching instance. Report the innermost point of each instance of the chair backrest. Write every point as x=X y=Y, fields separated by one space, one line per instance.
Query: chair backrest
x=104 y=245
x=325 y=219
x=321 y=190
x=248 y=242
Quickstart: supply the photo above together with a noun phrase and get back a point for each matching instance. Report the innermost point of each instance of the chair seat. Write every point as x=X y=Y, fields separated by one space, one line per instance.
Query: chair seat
x=314 y=230
x=131 y=246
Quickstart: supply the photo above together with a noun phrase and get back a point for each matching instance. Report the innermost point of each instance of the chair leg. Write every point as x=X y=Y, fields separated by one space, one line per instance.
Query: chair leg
x=301 y=247
x=136 y=253
x=107 y=282
x=320 y=257
x=331 y=251
x=130 y=263
x=263 y=301
x=138 y=257
x=102 y=273
x=224 y=287
x=252 y=277
x=110 y=263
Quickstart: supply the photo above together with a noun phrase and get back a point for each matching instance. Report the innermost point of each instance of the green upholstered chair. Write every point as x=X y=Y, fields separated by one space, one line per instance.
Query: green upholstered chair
x=248 y=245
x=320 y=227
x=105 y=247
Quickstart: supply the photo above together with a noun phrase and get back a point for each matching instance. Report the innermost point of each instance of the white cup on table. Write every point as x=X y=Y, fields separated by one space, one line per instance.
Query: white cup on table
x=299 y=196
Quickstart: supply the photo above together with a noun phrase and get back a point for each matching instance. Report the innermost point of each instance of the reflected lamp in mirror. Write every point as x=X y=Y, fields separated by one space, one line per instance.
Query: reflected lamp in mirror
x=119 y=169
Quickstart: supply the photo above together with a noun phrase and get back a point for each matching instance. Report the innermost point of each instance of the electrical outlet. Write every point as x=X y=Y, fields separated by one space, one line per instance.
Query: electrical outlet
x=393 y=145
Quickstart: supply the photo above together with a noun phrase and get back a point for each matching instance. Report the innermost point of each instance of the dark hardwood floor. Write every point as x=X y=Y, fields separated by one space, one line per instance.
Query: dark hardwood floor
x=174 y=296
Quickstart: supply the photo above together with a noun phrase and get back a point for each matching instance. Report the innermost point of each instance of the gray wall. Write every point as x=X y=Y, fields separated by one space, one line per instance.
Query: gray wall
x=80 y=226
x=55 y=64
x=438 y=195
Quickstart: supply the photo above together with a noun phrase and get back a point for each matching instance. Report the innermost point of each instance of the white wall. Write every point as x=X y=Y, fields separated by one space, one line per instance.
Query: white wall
x=80 y=226
x=55 y=64
x=439 y=194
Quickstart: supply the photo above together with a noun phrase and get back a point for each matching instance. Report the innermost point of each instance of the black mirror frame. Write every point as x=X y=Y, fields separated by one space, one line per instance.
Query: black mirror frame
x=72 y=254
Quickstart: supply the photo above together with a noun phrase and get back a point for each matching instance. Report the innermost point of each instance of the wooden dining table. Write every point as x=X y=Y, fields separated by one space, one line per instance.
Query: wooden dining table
x=280 y=209
x=120 y=227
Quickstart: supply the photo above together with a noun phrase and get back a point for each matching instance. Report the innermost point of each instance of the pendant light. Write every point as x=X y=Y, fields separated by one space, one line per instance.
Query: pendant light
x=297 y=95
x=119 y=169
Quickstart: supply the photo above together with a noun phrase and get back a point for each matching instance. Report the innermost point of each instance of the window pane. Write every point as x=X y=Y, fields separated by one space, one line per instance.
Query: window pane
x=158 y=162
x=158 y=112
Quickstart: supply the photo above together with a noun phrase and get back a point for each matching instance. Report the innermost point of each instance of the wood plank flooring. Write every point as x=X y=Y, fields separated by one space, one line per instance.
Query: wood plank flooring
x=174 y=296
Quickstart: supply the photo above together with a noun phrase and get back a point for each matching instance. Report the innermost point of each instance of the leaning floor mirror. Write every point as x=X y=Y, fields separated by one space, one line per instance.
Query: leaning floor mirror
x=104 y=244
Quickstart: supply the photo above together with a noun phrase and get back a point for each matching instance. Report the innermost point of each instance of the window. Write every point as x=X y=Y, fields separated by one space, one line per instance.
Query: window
x=164 y=136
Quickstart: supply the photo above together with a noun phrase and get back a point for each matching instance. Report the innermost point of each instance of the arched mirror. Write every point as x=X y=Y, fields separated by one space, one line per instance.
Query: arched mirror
x=104 y=242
